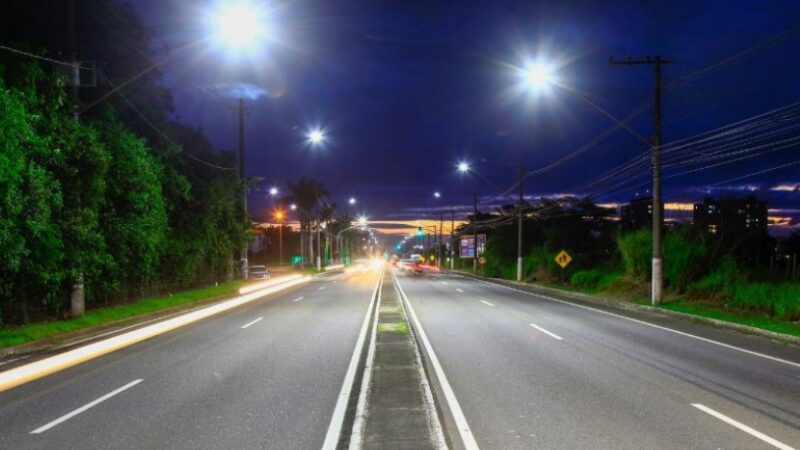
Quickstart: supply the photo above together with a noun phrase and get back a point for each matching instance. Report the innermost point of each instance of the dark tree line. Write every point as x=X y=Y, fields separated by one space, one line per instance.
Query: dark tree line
x=119 y=199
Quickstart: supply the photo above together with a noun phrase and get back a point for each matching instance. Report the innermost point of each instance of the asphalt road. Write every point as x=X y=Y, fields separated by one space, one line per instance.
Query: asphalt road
x=532 y=372
x=264 y=375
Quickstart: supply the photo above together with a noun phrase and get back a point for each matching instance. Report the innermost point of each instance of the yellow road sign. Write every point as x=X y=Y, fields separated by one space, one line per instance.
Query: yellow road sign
x=563 y=259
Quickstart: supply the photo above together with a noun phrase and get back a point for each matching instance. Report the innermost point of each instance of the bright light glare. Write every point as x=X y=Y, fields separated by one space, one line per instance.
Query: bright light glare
x=538 y=76
x=273 y=191
x=437 y=194
x=463 y=167
x=352 y=201
x=239 y=25
x=315 y=137
x=362 y=221
x=293 y=207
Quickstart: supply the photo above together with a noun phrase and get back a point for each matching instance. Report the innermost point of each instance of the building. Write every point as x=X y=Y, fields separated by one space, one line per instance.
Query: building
x=637 y=214
x=732 y=216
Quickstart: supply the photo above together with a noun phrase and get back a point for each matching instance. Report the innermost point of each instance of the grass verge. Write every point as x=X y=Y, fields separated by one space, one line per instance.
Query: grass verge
x=36 y=331
x=756 y=321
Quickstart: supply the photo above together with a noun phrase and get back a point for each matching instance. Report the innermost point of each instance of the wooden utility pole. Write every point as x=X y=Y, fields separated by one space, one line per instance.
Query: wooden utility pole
x=658 y=214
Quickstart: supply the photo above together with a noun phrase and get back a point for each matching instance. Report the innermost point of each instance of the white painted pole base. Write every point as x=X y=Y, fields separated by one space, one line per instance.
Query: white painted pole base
x=319 y=263
x=658 y=281
x=519 y=269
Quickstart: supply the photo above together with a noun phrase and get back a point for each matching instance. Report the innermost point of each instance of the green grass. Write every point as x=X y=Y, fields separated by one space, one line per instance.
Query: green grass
x=393 y=327
x=27 y=333
x=757 y=321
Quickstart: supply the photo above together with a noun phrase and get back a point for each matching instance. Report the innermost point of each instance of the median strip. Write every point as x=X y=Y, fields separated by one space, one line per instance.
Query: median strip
x=37 y=369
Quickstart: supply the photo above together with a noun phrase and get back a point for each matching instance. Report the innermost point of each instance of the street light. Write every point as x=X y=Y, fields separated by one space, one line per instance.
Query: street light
x=352 y=201
x=315 y=137
x=239 y=25
x=293 y=207
x=279 y=215
x=362 y=221
x=463 y=167
x=273 y=191
x=538 y=75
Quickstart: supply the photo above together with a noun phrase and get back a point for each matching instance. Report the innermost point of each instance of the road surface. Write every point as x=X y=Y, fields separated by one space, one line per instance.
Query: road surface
x=533 y=372
x=265 y=375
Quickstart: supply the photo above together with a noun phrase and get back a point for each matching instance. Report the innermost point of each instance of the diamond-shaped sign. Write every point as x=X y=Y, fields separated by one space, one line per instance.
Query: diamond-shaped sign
x=563 y=259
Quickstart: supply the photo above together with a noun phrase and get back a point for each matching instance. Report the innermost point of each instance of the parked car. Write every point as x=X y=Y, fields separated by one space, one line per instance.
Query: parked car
x=257 y=273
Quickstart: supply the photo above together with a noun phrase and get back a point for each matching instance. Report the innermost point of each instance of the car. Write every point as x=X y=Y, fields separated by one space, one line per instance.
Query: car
x=257 y=273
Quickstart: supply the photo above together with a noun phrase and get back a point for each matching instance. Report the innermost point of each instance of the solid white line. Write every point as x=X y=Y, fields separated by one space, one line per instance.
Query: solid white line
x=298 y=299
x=553 y=335
x=444 y=282
x=360 y=422
x=743 y=427
x=83 y=408
x=337 y=419
x=487 y=303
x=321 y=288
x=459 y=290
x=452 y=402
x=652 y=325
x=251 y=323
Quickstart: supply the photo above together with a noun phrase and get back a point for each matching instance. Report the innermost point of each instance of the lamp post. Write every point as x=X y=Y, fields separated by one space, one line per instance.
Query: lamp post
x=279 y=215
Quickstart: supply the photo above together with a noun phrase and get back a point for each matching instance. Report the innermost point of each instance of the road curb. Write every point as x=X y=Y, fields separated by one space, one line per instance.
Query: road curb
x=732 y=326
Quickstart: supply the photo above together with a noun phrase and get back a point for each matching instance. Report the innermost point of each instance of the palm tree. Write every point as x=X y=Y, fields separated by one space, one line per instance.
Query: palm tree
x=306 y=194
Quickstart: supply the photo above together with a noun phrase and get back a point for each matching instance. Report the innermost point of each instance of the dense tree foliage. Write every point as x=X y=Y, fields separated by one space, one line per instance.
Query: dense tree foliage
x=123 y=198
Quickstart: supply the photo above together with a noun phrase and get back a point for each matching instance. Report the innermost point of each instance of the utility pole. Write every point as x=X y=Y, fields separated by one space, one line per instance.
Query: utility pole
x=475 y=235
x=452 y=239
x=77 y=296
x=519 y=218
x=658 y=215
x=439 y=244
x=280 y=243
x=243 y=178
x=319 y=245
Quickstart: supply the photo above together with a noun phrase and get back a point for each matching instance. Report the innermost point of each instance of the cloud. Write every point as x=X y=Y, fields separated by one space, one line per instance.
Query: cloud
x=786 y=187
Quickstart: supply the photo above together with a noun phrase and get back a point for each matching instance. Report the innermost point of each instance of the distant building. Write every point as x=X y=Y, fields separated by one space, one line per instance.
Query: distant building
x=637 y=214
x=731 y=216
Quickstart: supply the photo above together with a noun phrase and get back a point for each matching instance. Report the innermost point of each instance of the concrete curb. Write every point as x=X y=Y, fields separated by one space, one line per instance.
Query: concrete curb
x=745 y=329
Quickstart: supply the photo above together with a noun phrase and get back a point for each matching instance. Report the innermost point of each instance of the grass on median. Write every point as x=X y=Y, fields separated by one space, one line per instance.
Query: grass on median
x=27 y=333
x=393 y=327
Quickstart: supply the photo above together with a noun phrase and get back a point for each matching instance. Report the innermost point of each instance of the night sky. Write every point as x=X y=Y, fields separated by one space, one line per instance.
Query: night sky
x=405 y=89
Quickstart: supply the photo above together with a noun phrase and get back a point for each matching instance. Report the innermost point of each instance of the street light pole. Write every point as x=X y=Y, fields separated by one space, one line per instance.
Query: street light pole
x=475 y=235
x=439 y=244
x=452 y=238
x=244 y=256
x=519 y=218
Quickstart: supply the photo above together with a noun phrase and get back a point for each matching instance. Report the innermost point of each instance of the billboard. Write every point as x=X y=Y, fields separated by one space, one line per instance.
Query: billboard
x=467 y=247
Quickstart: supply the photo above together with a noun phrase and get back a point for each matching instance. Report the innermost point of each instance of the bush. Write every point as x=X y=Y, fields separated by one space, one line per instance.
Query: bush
x=684 y=261
x=595 y=279
x=776 y=299
x=636 y=250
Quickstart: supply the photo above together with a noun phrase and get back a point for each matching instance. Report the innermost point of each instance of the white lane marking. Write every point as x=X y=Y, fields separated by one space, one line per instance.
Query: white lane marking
x=455 y=409
x=743 y=427
x=298 y=299
x=83 y=408
x=360 y=422
x=487 y=303
x=642 y=322
x=553 y=335
x=337 y=419
x=321 y=288
x=459 y=290
x=251 y=323
x=444 y=282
